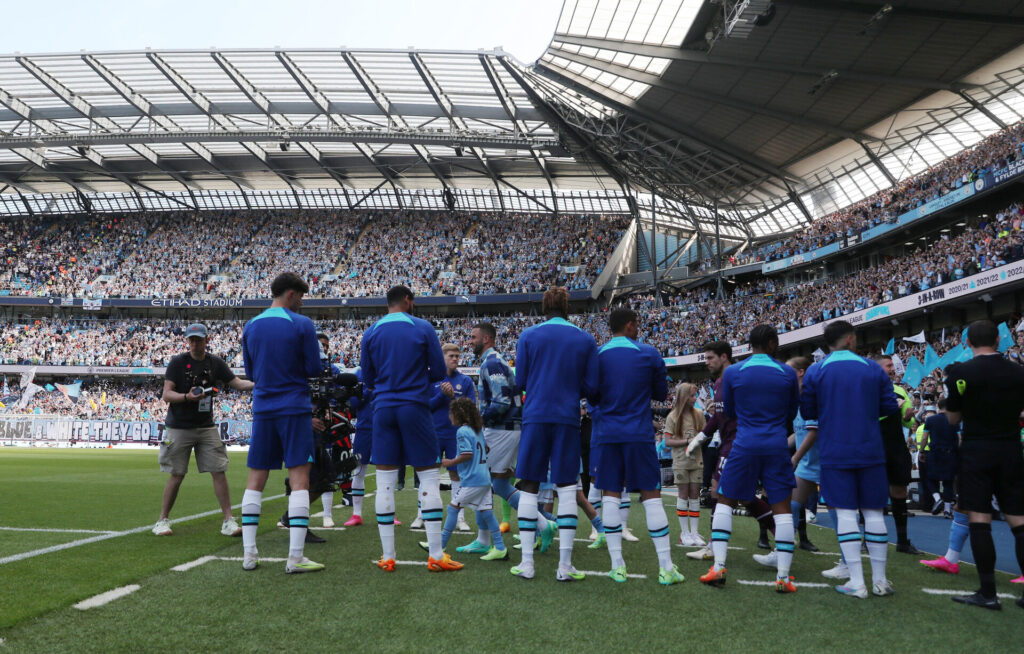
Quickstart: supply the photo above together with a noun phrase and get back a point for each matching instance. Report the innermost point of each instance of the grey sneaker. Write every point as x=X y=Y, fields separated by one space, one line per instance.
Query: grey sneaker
x=230 y=528
x=251 y=560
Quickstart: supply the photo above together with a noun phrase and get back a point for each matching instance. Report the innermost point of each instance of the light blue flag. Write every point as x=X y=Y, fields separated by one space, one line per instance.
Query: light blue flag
x=890 y=347
x=963 y=337
x=931 y=359
x=914 y=373
x=950 y=357
x=966 y=355
x=1005 y=338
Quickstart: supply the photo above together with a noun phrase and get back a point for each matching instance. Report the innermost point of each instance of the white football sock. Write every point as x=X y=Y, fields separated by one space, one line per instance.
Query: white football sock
x=568 y=516
x=613 y=529
x=384 y=502
x=657 y=527
x=433 y=513
x=252 y=501
x=721 y=532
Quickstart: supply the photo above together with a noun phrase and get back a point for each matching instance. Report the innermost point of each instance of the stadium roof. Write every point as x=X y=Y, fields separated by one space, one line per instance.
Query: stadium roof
x=771 y=113
x=726 y=102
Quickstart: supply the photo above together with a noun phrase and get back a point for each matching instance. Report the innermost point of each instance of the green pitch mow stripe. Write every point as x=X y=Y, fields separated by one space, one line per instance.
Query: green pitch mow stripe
x=220 y=607
x=16 y=542
x=102 y=491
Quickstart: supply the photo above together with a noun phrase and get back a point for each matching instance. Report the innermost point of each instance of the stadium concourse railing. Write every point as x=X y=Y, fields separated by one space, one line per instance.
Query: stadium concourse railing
x=992 y=280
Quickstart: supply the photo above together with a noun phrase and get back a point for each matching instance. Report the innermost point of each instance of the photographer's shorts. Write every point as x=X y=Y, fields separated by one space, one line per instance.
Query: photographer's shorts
x=177 y=446
x=477 y=498
x=502 y=446
x=280 y=438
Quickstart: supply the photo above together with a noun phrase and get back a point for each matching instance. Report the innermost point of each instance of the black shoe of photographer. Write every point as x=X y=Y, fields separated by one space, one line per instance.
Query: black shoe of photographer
x=762 y=543
x=313 y=538
x=808 y=546
x=346 y=499
x=977 y=599
x=908 y=548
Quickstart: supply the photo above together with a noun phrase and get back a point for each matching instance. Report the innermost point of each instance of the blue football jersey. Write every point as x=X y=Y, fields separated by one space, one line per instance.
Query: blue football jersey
x=473 y=473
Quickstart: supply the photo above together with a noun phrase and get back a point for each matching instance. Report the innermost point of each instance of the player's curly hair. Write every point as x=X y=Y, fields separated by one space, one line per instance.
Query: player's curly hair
x=463 y=411
x=555 y=302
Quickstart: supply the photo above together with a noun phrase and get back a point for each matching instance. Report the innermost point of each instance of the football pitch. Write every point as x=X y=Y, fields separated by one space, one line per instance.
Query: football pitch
x=74 y=524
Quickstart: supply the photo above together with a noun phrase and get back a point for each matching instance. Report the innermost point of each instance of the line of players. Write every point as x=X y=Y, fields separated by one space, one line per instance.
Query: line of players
x=844 y=396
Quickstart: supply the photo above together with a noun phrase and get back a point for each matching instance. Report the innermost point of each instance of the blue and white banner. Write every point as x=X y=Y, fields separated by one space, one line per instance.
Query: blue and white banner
x=49 y=428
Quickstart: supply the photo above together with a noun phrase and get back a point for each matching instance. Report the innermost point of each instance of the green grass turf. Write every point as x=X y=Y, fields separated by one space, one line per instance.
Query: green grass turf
x=219 y=607
x=14 y=542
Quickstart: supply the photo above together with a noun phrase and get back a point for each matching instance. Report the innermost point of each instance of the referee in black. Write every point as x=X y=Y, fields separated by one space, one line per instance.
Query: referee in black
x=987 y=392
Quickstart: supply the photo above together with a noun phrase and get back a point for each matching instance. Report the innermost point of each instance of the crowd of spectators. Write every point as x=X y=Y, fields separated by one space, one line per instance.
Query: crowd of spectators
x=679 y=326
x=65 y=258
x=235 y=254
x=992 y=153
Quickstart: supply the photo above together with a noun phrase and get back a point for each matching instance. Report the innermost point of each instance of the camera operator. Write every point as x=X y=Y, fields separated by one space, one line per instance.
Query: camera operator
x=281 y=353
x=190 y=425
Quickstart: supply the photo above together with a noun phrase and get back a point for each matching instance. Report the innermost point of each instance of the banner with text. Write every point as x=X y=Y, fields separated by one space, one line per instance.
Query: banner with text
x=50 y=428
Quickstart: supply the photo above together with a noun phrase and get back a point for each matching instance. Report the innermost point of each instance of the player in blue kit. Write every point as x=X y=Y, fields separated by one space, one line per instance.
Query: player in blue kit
x=556 y=366
x=762 y=395
x=846 y=394
x=500 y=405
x=400 y=359
x=630 y=376
x=475 y=490
x=452 y=387
x=280 y=352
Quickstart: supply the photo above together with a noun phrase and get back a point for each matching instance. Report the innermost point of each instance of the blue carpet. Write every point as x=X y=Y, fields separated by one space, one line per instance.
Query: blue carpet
x=931 y=534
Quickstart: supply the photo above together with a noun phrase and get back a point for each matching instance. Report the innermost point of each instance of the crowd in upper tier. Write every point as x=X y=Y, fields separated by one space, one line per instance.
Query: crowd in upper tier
x=340 y=253
x=990 y=154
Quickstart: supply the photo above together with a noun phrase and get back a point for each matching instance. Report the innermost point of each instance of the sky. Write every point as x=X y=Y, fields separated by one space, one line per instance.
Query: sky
x=522 y=27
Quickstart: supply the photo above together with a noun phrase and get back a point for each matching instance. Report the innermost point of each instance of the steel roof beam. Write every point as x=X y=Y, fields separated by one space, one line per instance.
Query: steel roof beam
x=290 y=107
x=143 y=105
x=754 y=108
x=324 y=105
x=261 y=101
x=382 y=102
x=445 y=103
x=203 y=103
x=509 y=105
x=701 y=57
x=643 y=115
x=76 y=102
x=871 y=8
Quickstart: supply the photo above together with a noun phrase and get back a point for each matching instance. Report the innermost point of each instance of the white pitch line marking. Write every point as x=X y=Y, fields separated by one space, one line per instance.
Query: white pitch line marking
x=112 y=534
x=107 y=597
x=59 y=531
x=594 y=573
x=799 y=584
x=946 y=591
x=408 y=562
x=193 y=564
